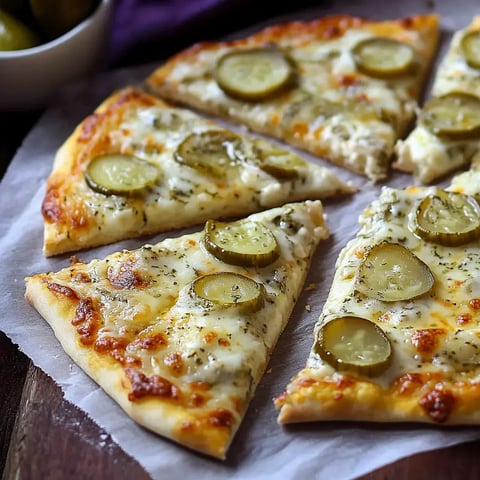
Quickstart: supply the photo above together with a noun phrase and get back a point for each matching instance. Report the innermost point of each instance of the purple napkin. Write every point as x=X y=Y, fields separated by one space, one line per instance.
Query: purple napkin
x=137 y=22
x=151 y=29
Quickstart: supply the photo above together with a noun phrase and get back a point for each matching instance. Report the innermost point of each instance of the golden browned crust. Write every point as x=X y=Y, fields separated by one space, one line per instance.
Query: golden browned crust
x=68 y=223
x=410 y=398
x=126 y=322
x=176 y=421
x=433 y=376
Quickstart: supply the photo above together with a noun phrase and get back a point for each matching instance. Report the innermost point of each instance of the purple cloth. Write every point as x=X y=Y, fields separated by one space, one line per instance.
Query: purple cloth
x=137 y=22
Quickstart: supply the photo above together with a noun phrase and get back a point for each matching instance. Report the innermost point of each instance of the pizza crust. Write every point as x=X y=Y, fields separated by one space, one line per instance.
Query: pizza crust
x=311 y=397
x=161 y=417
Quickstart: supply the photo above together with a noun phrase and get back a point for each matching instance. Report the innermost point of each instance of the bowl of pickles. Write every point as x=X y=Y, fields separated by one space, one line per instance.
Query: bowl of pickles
x=45 y=44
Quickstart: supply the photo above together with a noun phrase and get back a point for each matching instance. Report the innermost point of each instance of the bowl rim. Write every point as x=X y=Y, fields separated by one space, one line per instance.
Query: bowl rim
x=84 y=24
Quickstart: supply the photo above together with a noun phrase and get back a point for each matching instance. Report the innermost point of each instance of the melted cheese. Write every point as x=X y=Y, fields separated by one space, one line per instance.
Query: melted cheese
x=325 y=69
x=426 y=155
x=445 y=315
x=154 y=133
x=145 y=292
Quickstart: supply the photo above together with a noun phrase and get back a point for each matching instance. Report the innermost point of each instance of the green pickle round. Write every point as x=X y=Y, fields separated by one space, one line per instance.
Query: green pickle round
x=470 y=47
x=119 y=174
x=212 y=152
x=229 y=290
x=455 y=116
x=383 y=57
x=447 y=218
x=354 y=344
x=245 y=243
x=391 y=272
x=254 y=74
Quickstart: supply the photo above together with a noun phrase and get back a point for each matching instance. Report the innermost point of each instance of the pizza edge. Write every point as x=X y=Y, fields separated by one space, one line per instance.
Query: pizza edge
x=72 y=232
x=155 y=414
x=420 y=397
x=348 y=398
x=56 y=237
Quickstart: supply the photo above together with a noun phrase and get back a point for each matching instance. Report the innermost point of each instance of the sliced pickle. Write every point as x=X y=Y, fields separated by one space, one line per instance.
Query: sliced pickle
x=212 y=152
x=383 y=57
x=254 y=74
x=118 y=174
x=391 y=272
x=354 y=344
x=278 y=162
x=455 y=116
x=226 y=290
x=448 y=218
x=470 y=47
x=245 y=243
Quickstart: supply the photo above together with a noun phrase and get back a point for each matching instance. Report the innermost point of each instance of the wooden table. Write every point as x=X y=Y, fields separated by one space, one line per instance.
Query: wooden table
x=44 y=437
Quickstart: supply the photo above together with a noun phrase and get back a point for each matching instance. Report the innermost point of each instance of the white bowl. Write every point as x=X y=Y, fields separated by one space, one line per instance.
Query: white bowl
x=30 y=77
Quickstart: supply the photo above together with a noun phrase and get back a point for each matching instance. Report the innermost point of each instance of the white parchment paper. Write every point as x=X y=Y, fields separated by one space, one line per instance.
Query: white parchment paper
x=261 y=449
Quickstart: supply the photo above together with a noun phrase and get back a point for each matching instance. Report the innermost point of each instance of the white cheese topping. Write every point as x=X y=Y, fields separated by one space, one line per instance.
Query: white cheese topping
x=221 y=346
x=425 y=154
x=445 y=314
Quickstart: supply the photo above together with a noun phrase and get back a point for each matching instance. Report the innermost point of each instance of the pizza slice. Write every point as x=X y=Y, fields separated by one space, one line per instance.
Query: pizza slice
x=398 y=339
x=179 y=333
x=138 y=166
x=447 y=135
x=341 y=87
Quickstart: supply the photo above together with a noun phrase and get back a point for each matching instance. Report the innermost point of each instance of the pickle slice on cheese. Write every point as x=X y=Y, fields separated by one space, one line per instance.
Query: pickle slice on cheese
x=212 y=152
x=454 y=116
x=354 y=344
x=391 y=272
x=470 y=47
x=448 y=218
x=119 y=174
x=245 y=243
x=279 y=163
x=253 y=74
x=227 y=289
x=383 y=57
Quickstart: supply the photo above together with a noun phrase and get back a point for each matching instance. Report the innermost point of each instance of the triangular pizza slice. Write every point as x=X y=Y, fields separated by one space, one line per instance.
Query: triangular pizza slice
x=341 y=87
x=179 y=333
x=447 y=135
x=398 y=339
x=139 y=166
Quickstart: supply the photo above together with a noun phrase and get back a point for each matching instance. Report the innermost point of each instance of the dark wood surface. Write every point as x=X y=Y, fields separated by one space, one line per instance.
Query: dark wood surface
x=44 y=437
